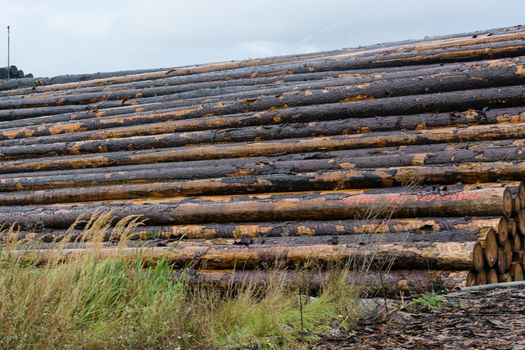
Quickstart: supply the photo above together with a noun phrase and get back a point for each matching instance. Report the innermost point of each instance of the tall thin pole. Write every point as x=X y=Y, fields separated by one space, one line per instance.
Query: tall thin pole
x=8 y=53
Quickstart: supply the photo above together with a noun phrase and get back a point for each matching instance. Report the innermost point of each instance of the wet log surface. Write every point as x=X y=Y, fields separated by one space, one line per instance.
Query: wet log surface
x=332 y=180
x=278 y=229
x=343 y=204
x=283 y=159
x=254 y=149
x=485 y=75
x=450 y=251
x=262 y=126
x=392 y=283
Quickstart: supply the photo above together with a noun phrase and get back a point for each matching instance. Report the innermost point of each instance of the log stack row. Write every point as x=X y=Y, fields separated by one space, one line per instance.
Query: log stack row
x=404 y=158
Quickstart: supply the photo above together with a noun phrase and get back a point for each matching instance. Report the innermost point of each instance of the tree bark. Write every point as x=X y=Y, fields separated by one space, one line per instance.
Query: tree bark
x=392 y=283
x=416 y=255
x=280 y=229
x=485 y=75
x=265 y=148
x=348 y=204
x=331 y=180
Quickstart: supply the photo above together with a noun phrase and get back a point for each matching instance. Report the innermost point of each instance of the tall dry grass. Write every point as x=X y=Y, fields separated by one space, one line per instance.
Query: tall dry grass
x=92 y=303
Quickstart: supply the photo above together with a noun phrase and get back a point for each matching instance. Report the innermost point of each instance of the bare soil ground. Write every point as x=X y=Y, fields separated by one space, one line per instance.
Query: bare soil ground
x=469 y=320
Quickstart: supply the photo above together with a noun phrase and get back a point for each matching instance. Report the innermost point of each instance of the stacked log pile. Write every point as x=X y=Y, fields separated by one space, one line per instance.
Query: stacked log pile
x=404 y=157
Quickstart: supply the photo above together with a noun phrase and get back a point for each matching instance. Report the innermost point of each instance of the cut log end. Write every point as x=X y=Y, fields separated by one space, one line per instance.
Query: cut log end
x=478 y=257
x=492 y=276
x=521 y=222
x=516 y=243
x=504 y=278
x=471 y=278
x=481 y=278
x=508 y=254
x=501 y=264
x=507 y=202
x=503 y=231
x=516 y=271
x=489 y=243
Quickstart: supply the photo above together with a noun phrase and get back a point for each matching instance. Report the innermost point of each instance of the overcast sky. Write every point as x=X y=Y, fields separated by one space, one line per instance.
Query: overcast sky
x=51 y=37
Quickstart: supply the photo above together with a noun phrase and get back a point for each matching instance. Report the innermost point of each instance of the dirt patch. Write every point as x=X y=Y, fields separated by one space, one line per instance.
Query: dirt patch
x=476 y=320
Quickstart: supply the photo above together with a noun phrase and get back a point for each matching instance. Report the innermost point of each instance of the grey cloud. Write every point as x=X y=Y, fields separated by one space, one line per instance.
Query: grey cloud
x=57 y=36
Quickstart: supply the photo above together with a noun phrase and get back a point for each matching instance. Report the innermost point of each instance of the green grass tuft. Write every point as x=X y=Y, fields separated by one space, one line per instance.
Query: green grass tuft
x=431 y=301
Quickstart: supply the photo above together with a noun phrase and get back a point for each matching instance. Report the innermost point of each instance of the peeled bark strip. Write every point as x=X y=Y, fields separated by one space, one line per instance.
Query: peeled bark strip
x=348 y=204
x=390 y=283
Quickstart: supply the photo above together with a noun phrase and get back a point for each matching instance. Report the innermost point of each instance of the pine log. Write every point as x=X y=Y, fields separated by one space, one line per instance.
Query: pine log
x=489 y=244
x=478 y=258
x=315 y=161
x=347 y=204
x=392 y=282
x=277 y=229
x=501 y=262
x=521 y=222
x=471 y=278
x=485 y=75
x=516 y=271
x=345 y=179
x=158 y=112
x=516 y=243
x=504 y=278
x=507 y=247
x=492 y=276
x=481 y=278
x=357 y=76
x=238 y=150
x=502 y=231
x=423 y=255
x=61 y=82
x=513 y=228
x=211 y=129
